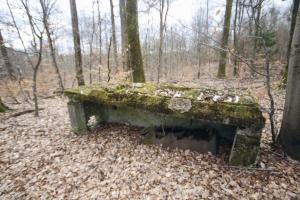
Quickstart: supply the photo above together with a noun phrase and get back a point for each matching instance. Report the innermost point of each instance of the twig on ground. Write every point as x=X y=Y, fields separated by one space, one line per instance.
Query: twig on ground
x=23 y=113
x=50 y=96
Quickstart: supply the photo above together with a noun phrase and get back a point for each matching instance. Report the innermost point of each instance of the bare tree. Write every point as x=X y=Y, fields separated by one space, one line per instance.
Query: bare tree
x=123 y=31
x=6 y=59
x=76 y=40
x=163 y=13
x=100 y=32
x=37 y=44
x=256 y=18
x=47 y=8
x=108 y=64
x=289 y=133
x=113 y=29
x=27 y=99
x=198 y=26
x=235 y=36
x=18 y=32
x=134 y=56
x=91 y=44
x=225 y=36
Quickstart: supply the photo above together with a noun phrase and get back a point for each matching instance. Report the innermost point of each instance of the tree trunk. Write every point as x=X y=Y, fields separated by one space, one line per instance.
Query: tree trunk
x=256 y=34
x=292 y=28
x=134 y=56
x=207 y=50
x=289 y=133
x=7 y=62
x=114 y=39
x=199 y=60
x=161 y=38
x=54 y=62
x=163 y=13
x=225 y=36
x=100 y=34
x=34 y=78
x=123 y=31
x=46 y=14
x=38 y=50
x=91 y=47
x=235 y=38
x=76 y=40
x=108 y=58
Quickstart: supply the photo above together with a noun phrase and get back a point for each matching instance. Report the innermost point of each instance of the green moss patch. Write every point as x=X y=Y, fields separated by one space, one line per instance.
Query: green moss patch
x=227 y=107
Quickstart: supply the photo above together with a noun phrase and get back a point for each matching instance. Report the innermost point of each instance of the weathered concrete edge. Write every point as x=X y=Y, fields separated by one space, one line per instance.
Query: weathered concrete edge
x=240 y=115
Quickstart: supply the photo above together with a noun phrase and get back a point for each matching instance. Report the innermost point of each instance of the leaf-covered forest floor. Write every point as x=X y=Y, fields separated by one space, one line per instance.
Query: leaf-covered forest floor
x=40 y=158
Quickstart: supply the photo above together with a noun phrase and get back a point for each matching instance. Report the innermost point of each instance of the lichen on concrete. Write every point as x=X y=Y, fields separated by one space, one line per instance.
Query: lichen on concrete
x=150 y=105
x=230 y=107
x=245 y=148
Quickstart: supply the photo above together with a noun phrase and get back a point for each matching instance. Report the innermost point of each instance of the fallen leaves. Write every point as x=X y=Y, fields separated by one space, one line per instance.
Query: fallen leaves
x=40 y=158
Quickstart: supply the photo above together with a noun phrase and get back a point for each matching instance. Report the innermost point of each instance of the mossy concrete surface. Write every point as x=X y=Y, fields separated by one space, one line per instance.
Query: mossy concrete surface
x=78 y=117
x=245 y=148
x=227 y=107
x=235 y=115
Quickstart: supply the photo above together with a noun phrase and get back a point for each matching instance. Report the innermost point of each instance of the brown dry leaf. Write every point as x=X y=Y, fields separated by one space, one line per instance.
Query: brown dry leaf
x=40 y=158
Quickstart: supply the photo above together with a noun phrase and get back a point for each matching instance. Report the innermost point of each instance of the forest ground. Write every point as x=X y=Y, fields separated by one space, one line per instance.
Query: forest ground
x=40 y=158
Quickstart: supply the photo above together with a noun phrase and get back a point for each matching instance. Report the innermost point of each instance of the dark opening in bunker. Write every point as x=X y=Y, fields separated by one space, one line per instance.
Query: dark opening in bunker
x=202 y=140
x=167 y=130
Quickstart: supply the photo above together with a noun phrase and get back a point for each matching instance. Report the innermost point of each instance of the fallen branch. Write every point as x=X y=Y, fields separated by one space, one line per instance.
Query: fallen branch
x=23 y=113
x=50 y=96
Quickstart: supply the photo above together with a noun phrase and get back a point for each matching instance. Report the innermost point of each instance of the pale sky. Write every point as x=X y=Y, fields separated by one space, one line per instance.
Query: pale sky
x=180 y=10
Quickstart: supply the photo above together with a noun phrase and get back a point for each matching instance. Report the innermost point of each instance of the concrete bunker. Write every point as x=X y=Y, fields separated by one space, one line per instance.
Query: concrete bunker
x=180 y=113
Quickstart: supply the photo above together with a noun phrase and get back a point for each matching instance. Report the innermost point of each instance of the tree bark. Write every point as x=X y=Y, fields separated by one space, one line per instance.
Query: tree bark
x=134 y=56
x=91 y=46
x=76 y=40
x=161 y=38
x=235 y=38
x=289 y=133
x=35 y=71
x=163 y=12
x=123 y=31
x=46 y=13
x=256 y=33
x=100 y=33
x=114 y=38
x=38 y=50
x=7 y=62
x=225 y=36
x=292 y=28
